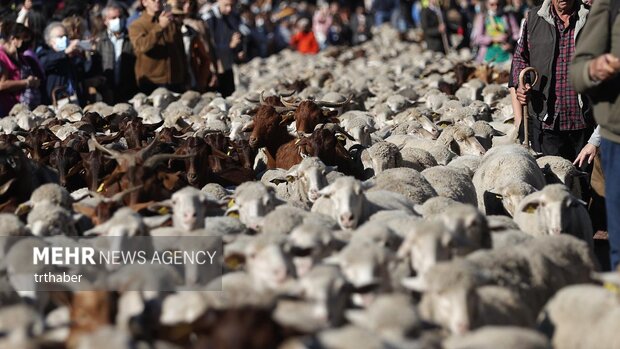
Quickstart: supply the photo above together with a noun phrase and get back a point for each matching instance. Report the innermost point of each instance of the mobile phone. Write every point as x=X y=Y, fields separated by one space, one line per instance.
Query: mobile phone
x=167 y=8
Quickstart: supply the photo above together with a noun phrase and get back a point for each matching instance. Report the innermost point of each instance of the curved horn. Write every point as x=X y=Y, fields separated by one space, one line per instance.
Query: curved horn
x=148 y=148
x=119 y=196
x=115 y=154
x=252 y=100
x=289 y=104
x=262 y=98
x=334 y=105
x=281 y=110
x=287 y=93
x=287 y=118
x=153 y=160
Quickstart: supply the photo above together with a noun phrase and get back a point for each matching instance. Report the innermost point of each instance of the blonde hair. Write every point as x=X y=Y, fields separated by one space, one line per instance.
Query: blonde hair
x=75 y=26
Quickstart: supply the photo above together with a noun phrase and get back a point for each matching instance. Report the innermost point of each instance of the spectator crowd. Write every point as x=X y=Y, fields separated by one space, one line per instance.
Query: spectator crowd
x=59 y=51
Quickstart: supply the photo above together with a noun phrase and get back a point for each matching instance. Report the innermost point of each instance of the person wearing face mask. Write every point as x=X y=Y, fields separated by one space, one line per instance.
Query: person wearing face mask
x=13 y=82
x=494 y=33
x=115 y=57
x=57 y=61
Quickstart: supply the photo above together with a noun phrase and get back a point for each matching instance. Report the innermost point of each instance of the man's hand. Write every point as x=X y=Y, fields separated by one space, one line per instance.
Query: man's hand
x=603 y=67
x=164 y=19
x=588 y=152
x=73 y=48
x=522 y=93
x=235 y=40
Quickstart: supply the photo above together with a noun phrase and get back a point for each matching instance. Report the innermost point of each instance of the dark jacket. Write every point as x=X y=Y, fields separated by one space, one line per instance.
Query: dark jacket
x=542 y=38
x=105 y=57
x=430 y=25
x=61 y=71
x=222 y=29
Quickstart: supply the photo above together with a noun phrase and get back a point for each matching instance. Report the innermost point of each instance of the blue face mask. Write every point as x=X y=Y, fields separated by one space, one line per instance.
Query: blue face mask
x=116 y=25
x=61 y=43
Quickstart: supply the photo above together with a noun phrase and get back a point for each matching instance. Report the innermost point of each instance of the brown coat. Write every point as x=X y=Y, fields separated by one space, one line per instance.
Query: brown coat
x=160 y=57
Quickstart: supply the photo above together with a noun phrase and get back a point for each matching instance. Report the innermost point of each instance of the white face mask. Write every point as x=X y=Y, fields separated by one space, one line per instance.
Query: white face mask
x=492 y=13
x=115 y=25
x=60 y=43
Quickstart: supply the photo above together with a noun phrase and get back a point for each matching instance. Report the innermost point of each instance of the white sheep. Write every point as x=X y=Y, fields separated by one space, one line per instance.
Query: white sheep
x=346 y=201
x=301 y=184
x=451 y=183
x=501 y=166
x=553 y=211
x=417 y=159
x=582 y=316
x=404 y=181
x=253 y=201
x=506 y=337
x=47 y=219
x=189 y=208
x=392 y=316
x=559 y=170
x=380 y=157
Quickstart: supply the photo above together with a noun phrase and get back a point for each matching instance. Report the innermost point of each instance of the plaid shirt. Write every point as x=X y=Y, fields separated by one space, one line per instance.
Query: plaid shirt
x=563 y=101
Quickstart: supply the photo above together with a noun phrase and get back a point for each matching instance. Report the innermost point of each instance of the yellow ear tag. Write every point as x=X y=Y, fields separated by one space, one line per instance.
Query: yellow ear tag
x=233 y=262
x=231 y=203
x=297 y=141
x=499 y=197
x=613 y=288
x=530 y=209
x=101 y=188
x=22 y=209
x=341 y=137
x=163 y=211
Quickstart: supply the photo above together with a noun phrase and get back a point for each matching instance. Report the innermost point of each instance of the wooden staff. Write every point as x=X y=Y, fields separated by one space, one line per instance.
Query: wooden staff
x=444 y=34
x=526 y=140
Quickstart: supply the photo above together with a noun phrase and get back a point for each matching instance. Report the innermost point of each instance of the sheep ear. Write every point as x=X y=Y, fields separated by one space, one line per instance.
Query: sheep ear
x=279 y=180
x=248 y=127
x=530 y=207
x=23 y=209
x=415 y=284
x=577 y=173
x=232 y=211
x=156 y=221
x=444 y=123
x=6 y=186
x=329 y=169
x=327 y=191
x=368 y=184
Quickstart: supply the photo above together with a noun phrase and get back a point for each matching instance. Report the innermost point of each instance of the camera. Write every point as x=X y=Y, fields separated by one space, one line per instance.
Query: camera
x=85 y=45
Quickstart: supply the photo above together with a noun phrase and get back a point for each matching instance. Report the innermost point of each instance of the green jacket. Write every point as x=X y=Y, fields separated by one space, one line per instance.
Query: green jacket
x=595 y=40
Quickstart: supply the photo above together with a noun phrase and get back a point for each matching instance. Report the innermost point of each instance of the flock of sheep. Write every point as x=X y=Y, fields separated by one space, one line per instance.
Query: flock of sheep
x=450 y=235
